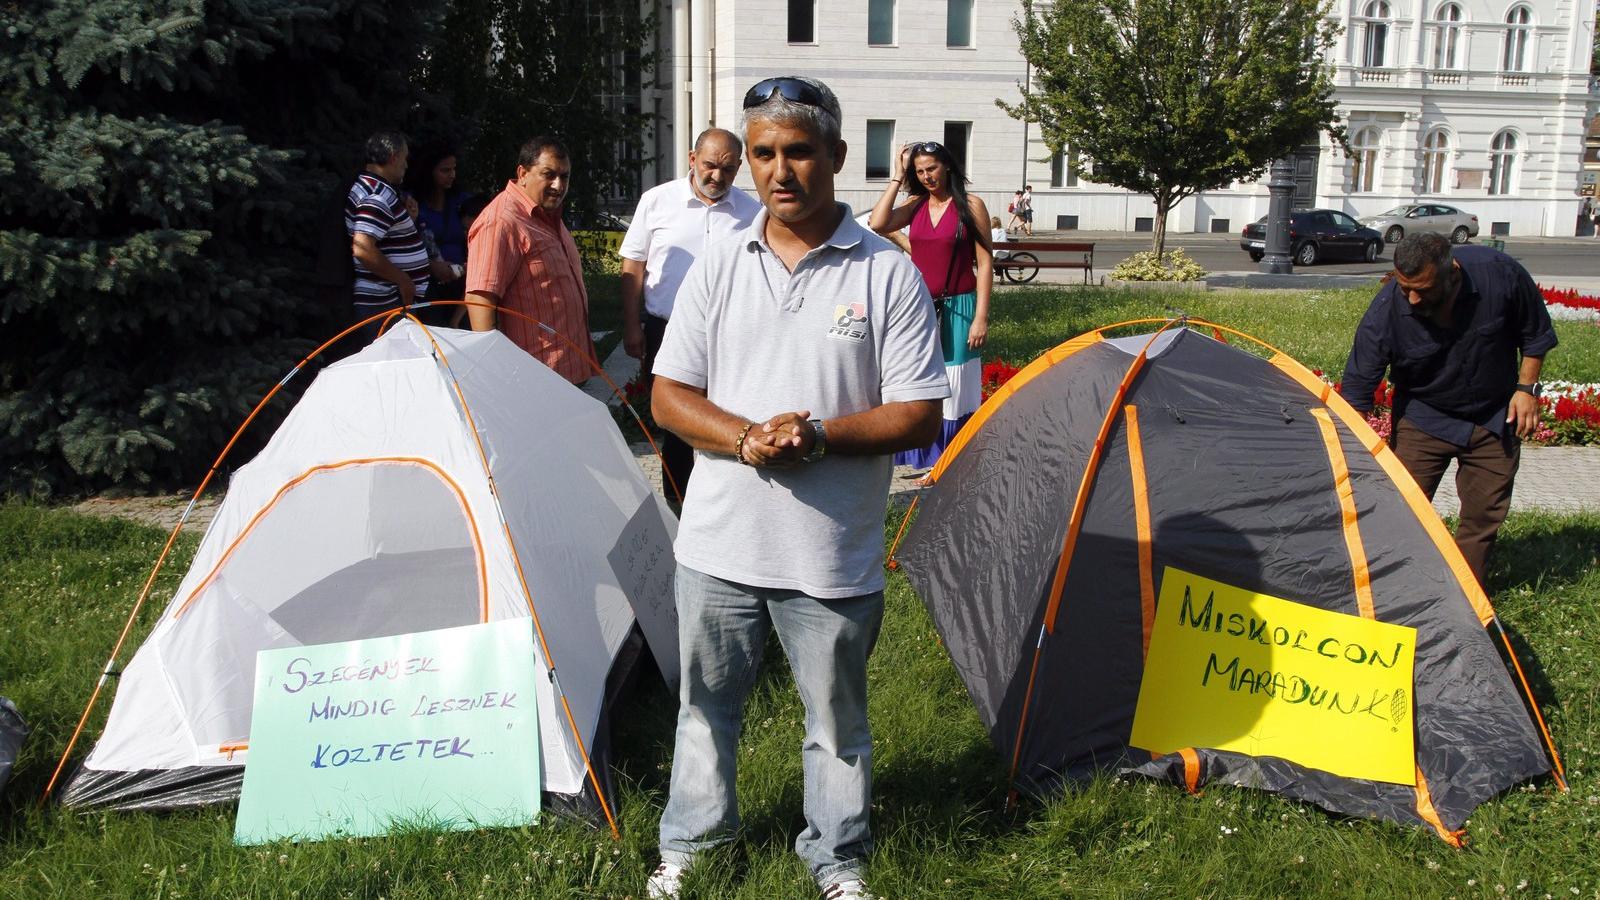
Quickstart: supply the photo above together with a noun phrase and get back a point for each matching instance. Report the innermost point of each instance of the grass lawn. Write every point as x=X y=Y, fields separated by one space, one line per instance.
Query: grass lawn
x=66 y=582
x=1315 y=327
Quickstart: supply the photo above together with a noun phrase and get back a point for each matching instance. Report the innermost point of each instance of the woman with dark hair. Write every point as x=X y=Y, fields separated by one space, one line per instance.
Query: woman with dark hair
x=431 y=178
x=949 y=236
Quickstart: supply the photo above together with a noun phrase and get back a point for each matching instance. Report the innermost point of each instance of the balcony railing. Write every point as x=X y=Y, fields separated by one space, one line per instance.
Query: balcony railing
x=1374 y=76
x=1512 y=79
x=1441 y=77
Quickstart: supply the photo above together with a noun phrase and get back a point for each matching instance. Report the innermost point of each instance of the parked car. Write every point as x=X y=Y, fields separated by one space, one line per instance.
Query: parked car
x=600 y=220
x=1416 y=217
x=1316 y=234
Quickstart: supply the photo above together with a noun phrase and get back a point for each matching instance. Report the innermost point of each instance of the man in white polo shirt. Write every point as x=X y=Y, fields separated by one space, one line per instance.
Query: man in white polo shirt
x=801 y=354
x=671 y=227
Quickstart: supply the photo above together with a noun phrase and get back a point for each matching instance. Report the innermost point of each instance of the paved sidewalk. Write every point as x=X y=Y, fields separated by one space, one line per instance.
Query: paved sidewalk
x=1553 y=479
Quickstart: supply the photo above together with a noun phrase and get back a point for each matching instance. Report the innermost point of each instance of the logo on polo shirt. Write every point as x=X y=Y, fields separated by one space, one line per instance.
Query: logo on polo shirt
x=849 y=322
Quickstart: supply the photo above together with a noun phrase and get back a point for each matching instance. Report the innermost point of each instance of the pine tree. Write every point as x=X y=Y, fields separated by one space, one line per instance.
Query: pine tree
x=518 y=68
x=166 y=170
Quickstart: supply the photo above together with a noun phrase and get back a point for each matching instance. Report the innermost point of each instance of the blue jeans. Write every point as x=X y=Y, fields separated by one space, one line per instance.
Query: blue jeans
x=722 y=631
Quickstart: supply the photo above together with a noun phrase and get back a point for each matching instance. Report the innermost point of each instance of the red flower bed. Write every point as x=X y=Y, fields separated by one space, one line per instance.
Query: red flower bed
x=1568 y=417
x=1569 y=297
x=1572 y=418
x=995 y=373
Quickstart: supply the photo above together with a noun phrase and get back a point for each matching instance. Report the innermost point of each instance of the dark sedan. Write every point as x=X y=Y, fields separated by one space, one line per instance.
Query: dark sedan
x=1317 y=234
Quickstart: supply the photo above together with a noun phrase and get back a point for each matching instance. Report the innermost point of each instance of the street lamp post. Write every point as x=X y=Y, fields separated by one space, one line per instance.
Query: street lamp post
x=1280 y=188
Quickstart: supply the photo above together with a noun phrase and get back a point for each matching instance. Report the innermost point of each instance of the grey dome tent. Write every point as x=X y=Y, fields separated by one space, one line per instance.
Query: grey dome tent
x=1108 y=464
x=13 y=731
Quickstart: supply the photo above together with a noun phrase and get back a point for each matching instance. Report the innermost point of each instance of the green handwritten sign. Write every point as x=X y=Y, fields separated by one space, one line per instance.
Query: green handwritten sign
x=438 y=728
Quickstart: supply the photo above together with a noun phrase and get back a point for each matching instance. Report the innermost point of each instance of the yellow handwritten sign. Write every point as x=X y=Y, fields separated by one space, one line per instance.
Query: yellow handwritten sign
x=1229 y=669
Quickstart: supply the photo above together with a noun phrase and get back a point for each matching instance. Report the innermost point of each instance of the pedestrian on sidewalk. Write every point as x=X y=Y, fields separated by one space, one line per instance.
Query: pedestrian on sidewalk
x=1462 y=333
x=1014 y=223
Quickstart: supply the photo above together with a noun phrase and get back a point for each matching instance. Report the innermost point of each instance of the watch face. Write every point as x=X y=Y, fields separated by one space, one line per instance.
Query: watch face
x=819 y=442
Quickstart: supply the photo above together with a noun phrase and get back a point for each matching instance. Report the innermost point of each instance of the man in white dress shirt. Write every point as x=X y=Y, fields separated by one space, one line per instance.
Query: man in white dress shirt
x=671 y=228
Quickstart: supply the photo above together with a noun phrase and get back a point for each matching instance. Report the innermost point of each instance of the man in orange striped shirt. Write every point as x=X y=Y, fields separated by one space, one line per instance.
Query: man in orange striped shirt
x=521 y=256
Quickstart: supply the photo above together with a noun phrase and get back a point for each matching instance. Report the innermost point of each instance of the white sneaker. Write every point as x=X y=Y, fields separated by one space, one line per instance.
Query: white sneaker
x=848 y=889
x=665 y=882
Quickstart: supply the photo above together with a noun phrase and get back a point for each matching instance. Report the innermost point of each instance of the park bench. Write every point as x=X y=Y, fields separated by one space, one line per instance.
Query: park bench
x=1022 y=263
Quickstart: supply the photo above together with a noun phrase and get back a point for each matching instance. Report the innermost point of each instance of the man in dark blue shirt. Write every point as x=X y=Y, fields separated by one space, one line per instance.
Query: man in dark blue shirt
x=1463 y=336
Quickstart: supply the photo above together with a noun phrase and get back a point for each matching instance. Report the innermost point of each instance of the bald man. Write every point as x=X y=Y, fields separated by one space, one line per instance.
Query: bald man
x=672 y=227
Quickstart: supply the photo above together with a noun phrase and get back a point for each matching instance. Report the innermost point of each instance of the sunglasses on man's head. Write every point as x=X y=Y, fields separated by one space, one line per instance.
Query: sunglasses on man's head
x=792 y=89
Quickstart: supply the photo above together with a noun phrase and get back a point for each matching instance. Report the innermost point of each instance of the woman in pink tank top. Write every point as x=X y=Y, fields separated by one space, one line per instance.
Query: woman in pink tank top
x=950 y=246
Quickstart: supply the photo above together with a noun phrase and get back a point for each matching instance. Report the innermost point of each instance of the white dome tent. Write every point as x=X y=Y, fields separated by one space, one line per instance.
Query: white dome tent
x=436 y=478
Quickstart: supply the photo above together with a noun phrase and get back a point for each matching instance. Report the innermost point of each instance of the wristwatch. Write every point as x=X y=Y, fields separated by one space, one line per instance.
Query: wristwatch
x=1536 y=389
x=819 y=441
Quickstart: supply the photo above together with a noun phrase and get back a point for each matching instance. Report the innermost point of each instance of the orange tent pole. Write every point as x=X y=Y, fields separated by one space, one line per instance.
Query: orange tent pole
x=1559 y=771
x=516 y=557
x=1074 y=528
x=901 y=532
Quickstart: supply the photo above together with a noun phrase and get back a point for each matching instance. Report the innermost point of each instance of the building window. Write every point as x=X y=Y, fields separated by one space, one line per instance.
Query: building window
x=1519 y=26
x=958 y=23
x=1502 y=163
x=1365 y=154
x=802 y=21
x=880 y=23
x=1435 y=160
x=1447 y=37
x=956 y=135
x=880 y=147
x=1372 y=30
x=1061 y=172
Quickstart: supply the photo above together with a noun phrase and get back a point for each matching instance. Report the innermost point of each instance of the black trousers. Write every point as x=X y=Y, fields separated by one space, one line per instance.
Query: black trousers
x=675 y=452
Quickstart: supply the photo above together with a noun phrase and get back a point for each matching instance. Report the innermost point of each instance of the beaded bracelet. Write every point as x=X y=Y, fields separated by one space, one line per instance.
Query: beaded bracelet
x=738 y=445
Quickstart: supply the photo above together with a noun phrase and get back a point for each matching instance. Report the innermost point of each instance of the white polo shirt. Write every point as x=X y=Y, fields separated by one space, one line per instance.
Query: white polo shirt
x=672 y=227
x=850 y=329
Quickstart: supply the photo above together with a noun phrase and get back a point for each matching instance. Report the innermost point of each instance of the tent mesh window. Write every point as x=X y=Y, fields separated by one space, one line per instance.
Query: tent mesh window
x=289 y=581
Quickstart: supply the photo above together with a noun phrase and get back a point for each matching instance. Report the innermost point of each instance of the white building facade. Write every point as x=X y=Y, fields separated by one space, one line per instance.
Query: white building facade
x=1481 y=104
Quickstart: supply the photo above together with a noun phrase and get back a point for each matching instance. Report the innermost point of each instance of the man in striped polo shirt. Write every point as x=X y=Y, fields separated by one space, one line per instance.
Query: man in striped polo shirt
x=521 y=256
x=391 y=261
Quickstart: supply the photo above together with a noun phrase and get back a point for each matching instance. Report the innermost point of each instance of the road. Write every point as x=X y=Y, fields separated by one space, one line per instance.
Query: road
x=1565 y=262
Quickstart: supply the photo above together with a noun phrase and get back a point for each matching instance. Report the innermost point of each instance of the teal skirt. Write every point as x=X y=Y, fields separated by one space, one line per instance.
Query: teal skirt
x=964 y=368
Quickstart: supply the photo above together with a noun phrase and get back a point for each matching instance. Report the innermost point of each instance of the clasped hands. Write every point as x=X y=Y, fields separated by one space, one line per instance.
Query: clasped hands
x=781 y=441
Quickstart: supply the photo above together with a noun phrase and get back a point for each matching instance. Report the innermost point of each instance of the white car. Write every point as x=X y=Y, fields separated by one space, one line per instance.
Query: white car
x=1418 y=217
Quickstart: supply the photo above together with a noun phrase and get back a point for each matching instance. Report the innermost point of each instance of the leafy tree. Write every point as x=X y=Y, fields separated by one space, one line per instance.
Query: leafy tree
x=1172 y=97
x=518 y=68
x=166 y=170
